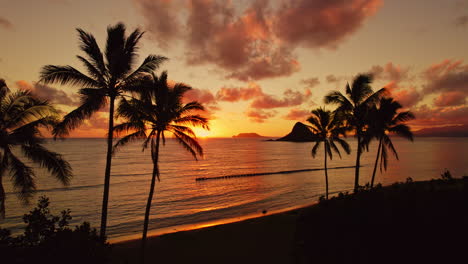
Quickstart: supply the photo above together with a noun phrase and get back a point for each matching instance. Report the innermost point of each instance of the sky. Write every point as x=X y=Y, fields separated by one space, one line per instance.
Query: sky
x=257 y=65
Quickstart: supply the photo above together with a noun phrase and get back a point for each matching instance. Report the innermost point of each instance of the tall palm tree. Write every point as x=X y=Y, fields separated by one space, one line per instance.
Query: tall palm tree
x=156 y=110
x=386 y=119
x=328 y=127
x=355 y=106
x=110 y=75
x=21 y=116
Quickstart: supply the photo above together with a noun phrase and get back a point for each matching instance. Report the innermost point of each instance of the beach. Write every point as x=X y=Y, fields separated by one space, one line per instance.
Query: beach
x=267 y=239
x=413 y=217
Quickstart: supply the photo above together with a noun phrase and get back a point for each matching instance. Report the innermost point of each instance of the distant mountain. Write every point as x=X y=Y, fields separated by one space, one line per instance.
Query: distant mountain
x=248 y=135
x=299 y=133
x=448 y=131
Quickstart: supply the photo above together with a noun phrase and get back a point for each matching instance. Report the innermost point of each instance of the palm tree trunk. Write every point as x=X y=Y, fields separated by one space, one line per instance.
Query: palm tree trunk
x=150 y=196
x=326 y=173
x=376 y=161
x=358 y=163
x=105 y=196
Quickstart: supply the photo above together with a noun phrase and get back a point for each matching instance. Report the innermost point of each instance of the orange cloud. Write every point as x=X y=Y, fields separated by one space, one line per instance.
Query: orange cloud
x=255 y=41
x=320 y=24
x=49 y=93
x=237 y=94
x=290 y=98
x=5 y=23
x=260 y=116
x=450 y=99
x=310 y=82
x=297 y=114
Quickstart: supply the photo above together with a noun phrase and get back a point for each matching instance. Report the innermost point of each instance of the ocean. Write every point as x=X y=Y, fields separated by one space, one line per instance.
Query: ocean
x=181 y=202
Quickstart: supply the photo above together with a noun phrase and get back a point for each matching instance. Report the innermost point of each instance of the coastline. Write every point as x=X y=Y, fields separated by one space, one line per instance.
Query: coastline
x=202 y=225
x=261 y=239
x=385 y=220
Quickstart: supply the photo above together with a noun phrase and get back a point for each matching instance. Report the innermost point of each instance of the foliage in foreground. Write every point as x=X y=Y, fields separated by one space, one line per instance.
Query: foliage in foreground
x=410 y=222
x=47 y=238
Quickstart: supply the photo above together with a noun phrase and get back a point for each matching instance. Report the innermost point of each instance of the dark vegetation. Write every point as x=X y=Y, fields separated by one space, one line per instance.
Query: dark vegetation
x=412 y=222
x=47 y=238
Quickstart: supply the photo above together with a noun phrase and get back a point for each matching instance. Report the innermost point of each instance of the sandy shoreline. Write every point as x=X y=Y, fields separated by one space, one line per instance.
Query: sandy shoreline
x=191 y=227
x=257 y=238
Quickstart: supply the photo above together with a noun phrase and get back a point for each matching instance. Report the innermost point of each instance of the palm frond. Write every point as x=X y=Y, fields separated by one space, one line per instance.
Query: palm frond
x=193 y=120
x=360 y=88
x=150 y=64
x=402 y=130
x=50 y=160
x=339 y=99
x=315 y=148
x=22 y=177
x=403 y=117
x=89 y=45
x=115 y=51
x=334 y=148
x=387 y=143
x=189 y=143
x=4 y=90
x=66 y=75
x=93 y=71
x=343 y=144
x=140 y=134
x=92 y=101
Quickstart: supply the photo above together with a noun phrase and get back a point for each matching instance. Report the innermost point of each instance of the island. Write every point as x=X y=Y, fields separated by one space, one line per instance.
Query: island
x=299 y=133
x=248 y=135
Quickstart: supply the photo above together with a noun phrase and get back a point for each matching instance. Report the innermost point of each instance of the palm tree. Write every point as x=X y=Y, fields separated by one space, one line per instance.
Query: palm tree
x=156 y=110
x=21 y=116
x=110 y=75
x=328 y=127
x=360 y=97
x=386 y=119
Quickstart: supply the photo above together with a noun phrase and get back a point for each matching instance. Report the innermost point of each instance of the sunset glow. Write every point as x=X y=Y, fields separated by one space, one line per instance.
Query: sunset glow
x=259 y=71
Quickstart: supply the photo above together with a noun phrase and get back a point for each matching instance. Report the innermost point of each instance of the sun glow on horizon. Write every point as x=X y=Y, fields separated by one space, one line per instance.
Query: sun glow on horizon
x=202 y=133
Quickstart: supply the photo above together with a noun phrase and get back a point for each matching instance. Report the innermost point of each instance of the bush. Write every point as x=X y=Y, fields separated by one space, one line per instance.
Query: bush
x=48 y=239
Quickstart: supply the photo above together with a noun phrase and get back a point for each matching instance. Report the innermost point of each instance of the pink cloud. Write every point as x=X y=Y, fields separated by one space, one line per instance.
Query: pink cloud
x=5 y=23
x=290 y=98
x=238 y=94
x=408 y=97
x=260 y=116
x=255 y=41
x=206 y=98
x=447 y=76
x=320 y=24
x=390 y=72
x=461 y=21
x=161 y=19
x=440 y=116
x=297 y=114
x=49 y=93
x=310 y=82
x=453 y=98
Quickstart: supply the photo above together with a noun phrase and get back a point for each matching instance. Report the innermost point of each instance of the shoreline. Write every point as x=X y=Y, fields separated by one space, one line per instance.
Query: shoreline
x=207 y=224
x=326 y=232
x=217 y=222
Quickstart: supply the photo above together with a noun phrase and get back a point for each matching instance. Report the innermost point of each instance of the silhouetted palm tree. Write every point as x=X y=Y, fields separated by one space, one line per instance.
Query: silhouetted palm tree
x=355 y=106
x=386 y=119
x=154 y=111
x=21 y=116
x=328 y=127
x=110 y=75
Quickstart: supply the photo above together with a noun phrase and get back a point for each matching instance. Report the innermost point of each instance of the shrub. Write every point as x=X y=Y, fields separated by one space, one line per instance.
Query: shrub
x=48 y=239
